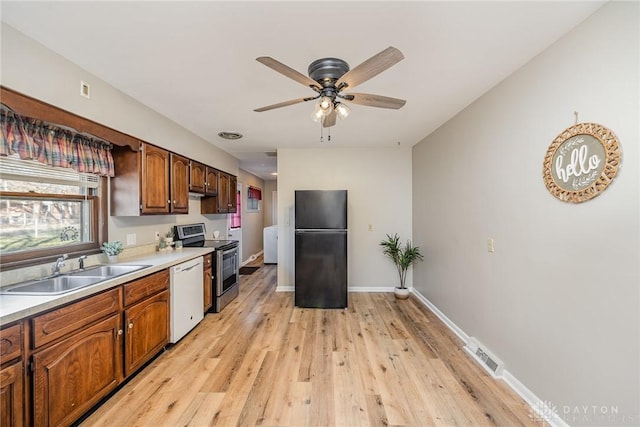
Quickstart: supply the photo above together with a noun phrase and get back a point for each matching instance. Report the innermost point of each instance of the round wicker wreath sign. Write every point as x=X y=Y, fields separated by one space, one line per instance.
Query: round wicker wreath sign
x=581 y=162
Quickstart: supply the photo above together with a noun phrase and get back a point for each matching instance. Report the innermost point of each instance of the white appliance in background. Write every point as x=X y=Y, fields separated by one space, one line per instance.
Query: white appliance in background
x=186 y=297
x=270 y=242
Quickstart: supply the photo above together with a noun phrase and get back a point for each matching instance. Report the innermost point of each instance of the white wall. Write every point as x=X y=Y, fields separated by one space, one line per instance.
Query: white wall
x=559 y=299
x=30 y=68
x=379 y=186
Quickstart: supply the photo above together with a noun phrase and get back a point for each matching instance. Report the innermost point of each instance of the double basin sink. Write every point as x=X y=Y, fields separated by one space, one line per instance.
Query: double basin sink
x=70 y=281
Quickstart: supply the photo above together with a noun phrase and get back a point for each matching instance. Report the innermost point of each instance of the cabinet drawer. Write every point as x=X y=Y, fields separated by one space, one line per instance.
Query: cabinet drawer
x=11 y=343
x=146 y=286
x=55 y=324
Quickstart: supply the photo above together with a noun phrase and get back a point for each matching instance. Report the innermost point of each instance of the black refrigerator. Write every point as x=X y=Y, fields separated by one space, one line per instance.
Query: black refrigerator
x=321 y=248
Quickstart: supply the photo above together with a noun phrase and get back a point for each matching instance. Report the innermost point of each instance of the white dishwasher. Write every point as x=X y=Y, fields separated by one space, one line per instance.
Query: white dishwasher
x=186 y=298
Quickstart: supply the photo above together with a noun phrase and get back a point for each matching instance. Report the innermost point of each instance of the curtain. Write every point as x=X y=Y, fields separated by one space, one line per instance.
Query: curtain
x=254 y=193
x=236 y=218
x=34 y=139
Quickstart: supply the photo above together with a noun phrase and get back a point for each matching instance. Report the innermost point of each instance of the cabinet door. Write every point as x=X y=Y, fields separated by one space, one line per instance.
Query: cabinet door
x=212 y=182
x=11 y=396
x=73 y=375
x=154 y=181
x=147 y=330
x=179 y=184
x=207 y=285
x=197 y=177
x=223 y=192
x=11 y=343
x=233 y=189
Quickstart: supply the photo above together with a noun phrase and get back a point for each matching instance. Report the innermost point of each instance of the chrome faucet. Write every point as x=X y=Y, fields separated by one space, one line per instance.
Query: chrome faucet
x=59 y=264
x=81 y=261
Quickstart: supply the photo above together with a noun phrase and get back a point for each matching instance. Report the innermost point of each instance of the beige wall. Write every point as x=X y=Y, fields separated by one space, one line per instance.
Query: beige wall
x=269 y=188
x=30 y=68
x=379 y=184
x=252 y=222
x=559 y=299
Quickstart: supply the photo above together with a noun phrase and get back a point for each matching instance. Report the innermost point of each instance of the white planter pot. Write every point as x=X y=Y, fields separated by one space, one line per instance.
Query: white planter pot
x=401 y=293
x=113 y=259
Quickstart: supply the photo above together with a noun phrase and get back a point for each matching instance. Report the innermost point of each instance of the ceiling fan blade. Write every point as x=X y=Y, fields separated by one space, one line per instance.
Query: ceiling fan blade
x=370 y=68
x=288 y=72
x=330 y=119
x=284 y=104
x=375 y=100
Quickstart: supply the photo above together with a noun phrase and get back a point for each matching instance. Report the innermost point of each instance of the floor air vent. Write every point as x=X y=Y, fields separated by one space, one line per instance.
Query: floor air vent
x=489 y=362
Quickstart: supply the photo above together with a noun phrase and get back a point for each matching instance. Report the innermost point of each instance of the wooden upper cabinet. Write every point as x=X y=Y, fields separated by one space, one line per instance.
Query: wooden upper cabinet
x=197 y=177
x=211 y=182
x=224 y=200
x=223 y=192
x=149 y=181
x=232 y=206
x=154 y=180
x=179 y=184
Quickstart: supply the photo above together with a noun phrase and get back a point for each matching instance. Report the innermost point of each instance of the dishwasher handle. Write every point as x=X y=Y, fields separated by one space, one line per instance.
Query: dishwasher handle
x=191 y=268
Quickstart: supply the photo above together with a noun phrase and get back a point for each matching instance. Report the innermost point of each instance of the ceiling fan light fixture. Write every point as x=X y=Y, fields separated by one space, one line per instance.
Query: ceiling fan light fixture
x=325 y=104
x=342 y=109
x=318 y=113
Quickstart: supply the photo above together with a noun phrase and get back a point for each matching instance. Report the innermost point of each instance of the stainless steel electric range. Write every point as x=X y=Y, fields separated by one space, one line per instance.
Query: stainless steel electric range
x=225 y=282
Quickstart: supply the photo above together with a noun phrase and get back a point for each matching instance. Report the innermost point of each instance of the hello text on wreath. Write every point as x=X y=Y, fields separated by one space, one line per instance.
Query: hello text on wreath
x=581 y=162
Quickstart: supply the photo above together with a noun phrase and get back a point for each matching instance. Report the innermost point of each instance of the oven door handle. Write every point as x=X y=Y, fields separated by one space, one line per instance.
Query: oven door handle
x=228 y=251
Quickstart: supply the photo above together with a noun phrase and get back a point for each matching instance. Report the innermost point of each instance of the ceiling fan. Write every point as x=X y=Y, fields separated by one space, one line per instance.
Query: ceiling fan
x=329 y=77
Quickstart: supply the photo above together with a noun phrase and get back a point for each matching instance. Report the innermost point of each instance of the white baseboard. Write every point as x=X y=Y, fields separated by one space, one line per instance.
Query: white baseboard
x=289 y=288
x=252 y=258
x=541 y=410
x=456 y=330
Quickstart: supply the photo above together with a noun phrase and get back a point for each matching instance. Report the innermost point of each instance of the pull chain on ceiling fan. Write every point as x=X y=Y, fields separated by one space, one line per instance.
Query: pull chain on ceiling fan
x=329 y=77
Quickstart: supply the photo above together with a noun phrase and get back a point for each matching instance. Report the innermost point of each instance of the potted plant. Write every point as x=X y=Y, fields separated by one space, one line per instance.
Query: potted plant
x=403 y=257
x=168 y=237
x=112 y=250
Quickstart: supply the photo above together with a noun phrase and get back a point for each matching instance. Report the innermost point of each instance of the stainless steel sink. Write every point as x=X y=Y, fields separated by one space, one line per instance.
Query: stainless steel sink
x=108 y=271
x=70 y=281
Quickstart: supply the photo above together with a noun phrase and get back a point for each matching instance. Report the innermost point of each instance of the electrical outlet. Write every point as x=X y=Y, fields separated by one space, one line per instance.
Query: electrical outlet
x=157 y=235
x=131 y=239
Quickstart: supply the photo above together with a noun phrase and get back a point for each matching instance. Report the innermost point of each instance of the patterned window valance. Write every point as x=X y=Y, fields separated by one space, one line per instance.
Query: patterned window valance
x=254 y=193
x=53 y=145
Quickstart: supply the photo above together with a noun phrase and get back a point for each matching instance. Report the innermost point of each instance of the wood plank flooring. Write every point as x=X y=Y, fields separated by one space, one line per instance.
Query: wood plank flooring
x=382 y=362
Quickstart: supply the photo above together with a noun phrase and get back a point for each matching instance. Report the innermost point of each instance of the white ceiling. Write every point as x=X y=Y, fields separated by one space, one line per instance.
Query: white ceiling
x=194 y=62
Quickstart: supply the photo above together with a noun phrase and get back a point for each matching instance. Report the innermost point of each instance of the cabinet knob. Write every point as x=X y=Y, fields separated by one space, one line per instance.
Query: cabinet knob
x=130 y=325
x=174 y=202
x=168 y=202
x=119 y=331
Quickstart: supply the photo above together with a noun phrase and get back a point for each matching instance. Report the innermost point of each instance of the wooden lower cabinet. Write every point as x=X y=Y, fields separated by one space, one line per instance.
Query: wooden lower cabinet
x=74 y=374
x=207 y=285
x=147 y=330
x=11 y=395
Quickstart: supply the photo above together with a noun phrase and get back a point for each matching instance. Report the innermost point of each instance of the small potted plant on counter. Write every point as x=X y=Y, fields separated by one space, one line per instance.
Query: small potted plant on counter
x=112 y=250
x=168 y=237
x=403 y=257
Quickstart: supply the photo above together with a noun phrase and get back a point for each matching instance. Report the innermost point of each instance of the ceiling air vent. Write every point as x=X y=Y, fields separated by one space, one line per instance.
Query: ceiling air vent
x=230 y=135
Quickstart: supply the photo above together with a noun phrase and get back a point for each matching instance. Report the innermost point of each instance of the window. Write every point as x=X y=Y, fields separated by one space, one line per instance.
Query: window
x=254 y=196
x=47 y=211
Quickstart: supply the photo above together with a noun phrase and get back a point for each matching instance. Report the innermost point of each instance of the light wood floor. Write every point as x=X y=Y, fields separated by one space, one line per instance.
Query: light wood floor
x=264 y=362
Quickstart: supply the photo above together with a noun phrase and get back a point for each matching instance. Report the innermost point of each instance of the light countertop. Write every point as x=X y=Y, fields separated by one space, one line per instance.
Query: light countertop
x=16 y=307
